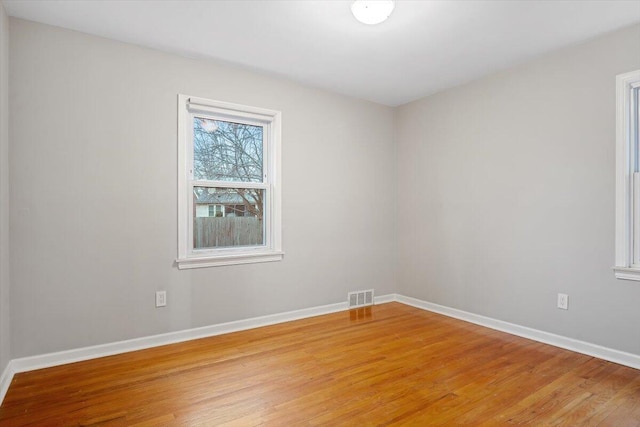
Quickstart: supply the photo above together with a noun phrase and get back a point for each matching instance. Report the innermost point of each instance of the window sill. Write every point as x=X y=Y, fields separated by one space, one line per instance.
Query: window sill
x=229 y=259
x=627 y=273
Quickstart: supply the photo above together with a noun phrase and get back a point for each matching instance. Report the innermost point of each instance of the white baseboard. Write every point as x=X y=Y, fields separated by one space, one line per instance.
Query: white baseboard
x=616 y=356
x=5 y=380
x=25 y=364
x=382 y=299
x=48 y=360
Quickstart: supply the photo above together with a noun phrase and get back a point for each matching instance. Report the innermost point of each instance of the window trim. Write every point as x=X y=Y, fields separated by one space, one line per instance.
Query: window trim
x=188 y=107
x=627 y=237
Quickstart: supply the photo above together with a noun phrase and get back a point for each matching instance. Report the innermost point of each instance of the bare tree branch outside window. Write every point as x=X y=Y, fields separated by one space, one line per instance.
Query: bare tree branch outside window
x=227 y=151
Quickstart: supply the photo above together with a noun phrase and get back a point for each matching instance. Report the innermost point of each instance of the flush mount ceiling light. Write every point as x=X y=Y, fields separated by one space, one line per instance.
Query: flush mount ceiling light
x=372 y=12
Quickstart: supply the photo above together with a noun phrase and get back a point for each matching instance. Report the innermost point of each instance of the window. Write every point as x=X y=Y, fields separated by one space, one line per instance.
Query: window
x=229 y=184
x=628 y=176
x=214 y=210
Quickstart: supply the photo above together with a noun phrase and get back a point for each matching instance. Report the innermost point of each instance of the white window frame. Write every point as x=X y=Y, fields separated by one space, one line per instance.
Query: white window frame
x=627 y=250
x=188 y=257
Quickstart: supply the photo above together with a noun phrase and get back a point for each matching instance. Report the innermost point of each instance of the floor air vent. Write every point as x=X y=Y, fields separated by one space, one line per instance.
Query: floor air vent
x=360 y=298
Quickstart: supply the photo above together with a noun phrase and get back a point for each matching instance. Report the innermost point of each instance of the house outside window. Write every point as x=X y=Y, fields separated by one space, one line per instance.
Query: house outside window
x=229 y=184
x=627 y=251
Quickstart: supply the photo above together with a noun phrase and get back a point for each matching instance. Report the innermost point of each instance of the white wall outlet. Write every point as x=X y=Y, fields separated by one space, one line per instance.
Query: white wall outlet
x=161 y=298
x=563 y=301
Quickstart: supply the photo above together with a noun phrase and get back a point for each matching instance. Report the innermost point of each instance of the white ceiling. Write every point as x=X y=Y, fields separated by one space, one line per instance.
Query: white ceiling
x=423 y=48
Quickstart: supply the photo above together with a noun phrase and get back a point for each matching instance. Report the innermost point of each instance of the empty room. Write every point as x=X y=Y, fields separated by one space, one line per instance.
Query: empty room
x=335 y=213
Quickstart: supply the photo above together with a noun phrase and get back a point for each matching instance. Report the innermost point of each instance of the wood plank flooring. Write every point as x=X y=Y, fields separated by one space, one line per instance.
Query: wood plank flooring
x=385 y=365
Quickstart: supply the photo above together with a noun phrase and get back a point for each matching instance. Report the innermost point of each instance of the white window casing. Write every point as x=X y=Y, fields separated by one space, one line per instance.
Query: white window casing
x=627 y=226
x=189 y=257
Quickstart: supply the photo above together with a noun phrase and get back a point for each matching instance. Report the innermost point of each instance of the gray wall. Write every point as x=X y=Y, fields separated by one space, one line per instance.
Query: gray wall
x=93 y=194
x=508 y=185
x=504 y=195
x=5 y=354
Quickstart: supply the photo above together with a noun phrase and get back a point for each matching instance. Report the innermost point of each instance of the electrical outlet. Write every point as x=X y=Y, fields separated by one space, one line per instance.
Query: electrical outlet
x=563 y=301
x=161 y=298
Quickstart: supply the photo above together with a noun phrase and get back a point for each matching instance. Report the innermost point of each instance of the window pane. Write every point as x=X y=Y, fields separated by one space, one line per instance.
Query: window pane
x=238 y=219
x=226 y=151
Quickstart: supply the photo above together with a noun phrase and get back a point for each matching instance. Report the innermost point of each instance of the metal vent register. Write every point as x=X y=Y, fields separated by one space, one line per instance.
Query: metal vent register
x=360 y=298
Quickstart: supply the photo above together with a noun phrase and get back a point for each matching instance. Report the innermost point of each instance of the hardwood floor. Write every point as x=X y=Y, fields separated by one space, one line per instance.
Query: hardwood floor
x=386 y=365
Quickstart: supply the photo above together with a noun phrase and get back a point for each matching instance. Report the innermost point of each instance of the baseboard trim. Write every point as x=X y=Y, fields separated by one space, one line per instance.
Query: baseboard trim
x=605 y=353
x=382 y=299
x=5 y=379
x=31 y=363
x=48 y=360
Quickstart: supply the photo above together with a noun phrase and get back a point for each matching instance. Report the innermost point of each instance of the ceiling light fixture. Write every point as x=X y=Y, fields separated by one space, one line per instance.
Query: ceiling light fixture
x=372 y=12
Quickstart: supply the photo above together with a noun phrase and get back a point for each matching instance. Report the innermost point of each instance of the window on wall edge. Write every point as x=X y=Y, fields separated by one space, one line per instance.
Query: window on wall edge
x=627 y=226
x=228 y=184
